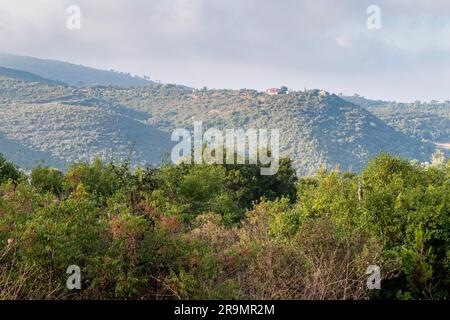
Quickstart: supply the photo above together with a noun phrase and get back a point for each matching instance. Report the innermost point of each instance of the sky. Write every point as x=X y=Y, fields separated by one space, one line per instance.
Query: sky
x=255 y=44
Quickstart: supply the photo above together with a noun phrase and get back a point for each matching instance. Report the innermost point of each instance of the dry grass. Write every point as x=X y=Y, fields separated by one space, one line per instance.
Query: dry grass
x=316 y=264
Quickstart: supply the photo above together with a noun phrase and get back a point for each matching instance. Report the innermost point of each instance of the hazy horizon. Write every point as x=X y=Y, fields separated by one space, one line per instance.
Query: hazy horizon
x=250 y=44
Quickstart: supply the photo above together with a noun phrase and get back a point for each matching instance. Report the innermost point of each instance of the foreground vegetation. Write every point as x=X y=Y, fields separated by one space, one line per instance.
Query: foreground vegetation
x=225 y=232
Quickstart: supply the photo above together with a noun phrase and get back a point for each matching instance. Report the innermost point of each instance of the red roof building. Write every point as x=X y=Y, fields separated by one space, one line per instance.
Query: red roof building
x=273 y=91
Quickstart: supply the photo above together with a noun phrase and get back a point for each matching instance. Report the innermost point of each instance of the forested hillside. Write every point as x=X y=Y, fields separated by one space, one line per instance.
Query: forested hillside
x=72 y=124
x=427 y=121
x=316 y=129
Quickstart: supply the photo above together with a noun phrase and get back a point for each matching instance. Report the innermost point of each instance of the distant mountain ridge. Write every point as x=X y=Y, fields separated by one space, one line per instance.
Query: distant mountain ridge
x=426 y=121
x=71 y=74
x=25 y=76
x=66 y=123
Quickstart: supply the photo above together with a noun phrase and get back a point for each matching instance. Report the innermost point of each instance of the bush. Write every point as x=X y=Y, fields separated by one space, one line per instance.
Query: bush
x=47 y=179
x=8 y=171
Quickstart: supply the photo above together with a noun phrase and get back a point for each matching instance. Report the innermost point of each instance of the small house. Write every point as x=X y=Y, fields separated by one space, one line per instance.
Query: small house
x=276 y=91
x=273 y=91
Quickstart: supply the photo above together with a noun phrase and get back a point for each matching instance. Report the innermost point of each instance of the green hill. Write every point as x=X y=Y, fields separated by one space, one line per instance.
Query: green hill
x=426 y=121
x=73 y=123
x=315 y=130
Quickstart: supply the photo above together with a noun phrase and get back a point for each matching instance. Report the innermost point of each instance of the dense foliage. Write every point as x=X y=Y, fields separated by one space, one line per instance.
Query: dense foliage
x=427 y=121
x=218 y=231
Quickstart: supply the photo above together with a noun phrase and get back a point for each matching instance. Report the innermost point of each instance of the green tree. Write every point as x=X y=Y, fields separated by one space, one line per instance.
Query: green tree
x=8 y=171
x=47 y=179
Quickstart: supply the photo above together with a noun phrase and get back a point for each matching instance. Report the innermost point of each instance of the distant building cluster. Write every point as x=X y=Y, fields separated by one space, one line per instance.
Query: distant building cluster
x=277 y=91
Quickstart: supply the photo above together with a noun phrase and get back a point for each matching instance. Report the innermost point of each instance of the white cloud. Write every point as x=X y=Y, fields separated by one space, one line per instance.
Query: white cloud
x=252 y=43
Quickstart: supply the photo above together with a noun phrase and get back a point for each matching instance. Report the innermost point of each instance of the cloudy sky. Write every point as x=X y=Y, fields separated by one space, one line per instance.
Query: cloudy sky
x=247 y=43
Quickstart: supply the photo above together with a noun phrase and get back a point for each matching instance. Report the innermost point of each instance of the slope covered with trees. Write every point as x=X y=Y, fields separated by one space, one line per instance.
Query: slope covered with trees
x=77 y=132
x=72 y=123
x=427 y=121
x=316 y=130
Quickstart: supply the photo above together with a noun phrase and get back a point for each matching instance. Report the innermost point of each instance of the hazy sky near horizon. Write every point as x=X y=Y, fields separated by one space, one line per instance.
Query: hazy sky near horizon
x=247 y=43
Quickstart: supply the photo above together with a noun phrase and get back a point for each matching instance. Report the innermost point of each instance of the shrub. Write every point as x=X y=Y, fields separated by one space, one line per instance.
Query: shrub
x=47 y=179
x=8 y=171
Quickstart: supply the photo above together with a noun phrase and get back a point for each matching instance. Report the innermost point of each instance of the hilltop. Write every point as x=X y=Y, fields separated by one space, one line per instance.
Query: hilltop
x=316 y=130
x=77 y=123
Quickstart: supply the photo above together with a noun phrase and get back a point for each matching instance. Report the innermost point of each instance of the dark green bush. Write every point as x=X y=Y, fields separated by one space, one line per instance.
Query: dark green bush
x=8 y=171
x=47 y=179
